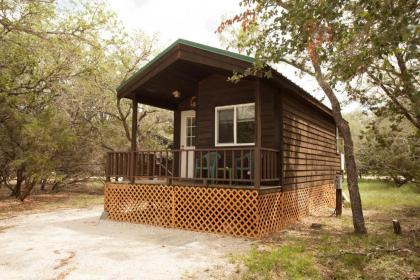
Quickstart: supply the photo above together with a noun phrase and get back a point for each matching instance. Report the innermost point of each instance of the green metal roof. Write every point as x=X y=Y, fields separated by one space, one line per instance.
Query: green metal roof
x=191 y=44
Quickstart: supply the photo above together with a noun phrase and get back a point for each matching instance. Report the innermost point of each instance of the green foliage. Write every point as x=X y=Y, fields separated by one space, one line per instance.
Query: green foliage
x=302 y=34
x=292 y=261
x=385 y=149
x=369 y=48
x=382 y=195
x=60 y=64
x=377 y=57
x=357 y=122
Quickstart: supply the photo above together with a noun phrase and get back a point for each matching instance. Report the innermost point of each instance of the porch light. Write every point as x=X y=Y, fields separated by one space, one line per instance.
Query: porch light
x=176 y=94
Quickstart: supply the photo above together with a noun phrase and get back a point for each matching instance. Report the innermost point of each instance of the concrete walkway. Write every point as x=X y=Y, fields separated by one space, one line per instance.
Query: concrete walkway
x=75 y=244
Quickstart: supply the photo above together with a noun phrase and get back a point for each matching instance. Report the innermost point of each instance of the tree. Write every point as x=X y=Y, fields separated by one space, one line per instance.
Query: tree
x=378 y=57
x=60 y=65
x=302 y=34
x=110 y=117
x=385 y=149
x=44 y=48
x=357 y=121
x=391 y=150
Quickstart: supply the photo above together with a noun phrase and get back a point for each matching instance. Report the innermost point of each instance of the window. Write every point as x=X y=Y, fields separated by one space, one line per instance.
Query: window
x=190 y=132
x=235 y=125
x=225 y=125
x=245 y=124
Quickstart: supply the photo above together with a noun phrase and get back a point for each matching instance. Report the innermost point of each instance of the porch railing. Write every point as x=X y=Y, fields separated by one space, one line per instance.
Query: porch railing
x=233 y=166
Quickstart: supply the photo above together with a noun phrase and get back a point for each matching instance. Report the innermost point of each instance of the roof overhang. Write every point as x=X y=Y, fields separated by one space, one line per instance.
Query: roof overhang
x=182 y=65
x=179 y=68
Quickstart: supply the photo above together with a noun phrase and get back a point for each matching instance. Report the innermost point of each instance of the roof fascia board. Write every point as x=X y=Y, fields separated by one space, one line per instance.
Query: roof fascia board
x=301 y=92
x=209 y=59
x=148 y=71
x=228 y=60
x=123 y=86
x=146 y=66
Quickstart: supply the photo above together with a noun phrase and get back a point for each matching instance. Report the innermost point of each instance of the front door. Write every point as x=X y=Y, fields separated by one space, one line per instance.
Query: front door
x=188 y=130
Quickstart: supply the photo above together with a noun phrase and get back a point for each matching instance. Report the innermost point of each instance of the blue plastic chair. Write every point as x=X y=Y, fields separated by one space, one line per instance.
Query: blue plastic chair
x=214 y=157
x=245 y=168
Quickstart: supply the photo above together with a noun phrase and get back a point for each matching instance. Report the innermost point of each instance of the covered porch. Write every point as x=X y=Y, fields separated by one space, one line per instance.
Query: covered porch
x=246 y=159
x=217 y=138
x=234 y=167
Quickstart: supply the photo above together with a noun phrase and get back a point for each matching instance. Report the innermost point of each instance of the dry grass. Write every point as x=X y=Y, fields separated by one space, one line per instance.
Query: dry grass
x=384 y=196
x=80 y=196
x=335 y=252
x=300 y=252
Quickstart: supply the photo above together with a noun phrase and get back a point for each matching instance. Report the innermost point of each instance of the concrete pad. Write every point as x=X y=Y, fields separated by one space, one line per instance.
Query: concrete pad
x=75 y=244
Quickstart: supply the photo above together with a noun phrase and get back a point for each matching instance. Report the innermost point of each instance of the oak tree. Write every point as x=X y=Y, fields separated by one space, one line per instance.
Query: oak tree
x=302 y=34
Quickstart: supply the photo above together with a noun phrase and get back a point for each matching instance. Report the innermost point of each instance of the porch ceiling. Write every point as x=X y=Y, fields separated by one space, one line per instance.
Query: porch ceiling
x=182 y=76
x=180 y=67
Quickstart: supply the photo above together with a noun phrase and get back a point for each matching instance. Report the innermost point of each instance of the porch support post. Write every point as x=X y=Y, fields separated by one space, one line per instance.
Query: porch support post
x=257 y=158
x=280 y=158
x=133 y=141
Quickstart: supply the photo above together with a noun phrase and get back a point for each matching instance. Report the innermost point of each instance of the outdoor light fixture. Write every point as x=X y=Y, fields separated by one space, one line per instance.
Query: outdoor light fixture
x=176 y=94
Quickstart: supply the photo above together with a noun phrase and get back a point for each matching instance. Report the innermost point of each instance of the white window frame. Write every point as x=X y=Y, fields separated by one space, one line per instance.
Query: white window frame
x=216 y=125
x=183 y=129
x=187 y=127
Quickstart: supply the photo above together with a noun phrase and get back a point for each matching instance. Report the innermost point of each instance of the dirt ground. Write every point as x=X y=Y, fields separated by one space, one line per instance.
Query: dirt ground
x=75 y=244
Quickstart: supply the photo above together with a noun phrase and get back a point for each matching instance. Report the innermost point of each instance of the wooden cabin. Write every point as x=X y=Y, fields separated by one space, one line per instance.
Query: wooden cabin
x=247 y=158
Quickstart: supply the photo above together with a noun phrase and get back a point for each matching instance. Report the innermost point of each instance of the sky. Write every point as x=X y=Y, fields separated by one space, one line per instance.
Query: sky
x=194 y=20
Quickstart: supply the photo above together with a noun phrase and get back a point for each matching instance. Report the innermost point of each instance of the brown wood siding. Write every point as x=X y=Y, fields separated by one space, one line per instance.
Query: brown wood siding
x=270 y=120
x=310 y=155
x=216 y=91
x=304 y=134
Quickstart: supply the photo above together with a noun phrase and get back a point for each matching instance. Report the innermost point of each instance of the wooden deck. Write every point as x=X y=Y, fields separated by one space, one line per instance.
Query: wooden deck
x=234 y=167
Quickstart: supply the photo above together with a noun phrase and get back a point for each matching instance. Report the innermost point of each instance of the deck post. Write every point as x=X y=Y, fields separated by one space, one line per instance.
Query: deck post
x=257 y=158
x=107 y=167
x=133 y=141
x=280 y=158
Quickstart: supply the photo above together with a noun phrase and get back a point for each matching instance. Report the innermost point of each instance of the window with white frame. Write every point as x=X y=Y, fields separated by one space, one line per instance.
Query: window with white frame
x=235 y=125
x=191 y=127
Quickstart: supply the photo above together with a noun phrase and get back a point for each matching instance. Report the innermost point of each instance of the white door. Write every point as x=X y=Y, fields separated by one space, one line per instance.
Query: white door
x=188 y=130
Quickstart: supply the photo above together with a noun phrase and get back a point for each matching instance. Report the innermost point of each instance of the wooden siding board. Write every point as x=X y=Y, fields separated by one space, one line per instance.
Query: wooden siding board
x=215 y=91
x=309 y=146
x=302 y=126
x=309 y=151
x=269 y=116
x=308 y=113
x=308 y=137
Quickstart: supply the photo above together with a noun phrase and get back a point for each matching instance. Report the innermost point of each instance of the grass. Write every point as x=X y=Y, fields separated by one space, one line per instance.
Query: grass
x=80 y=196
x=332 y=252
x=335 y=252
x=381 y=195
x=291 y=261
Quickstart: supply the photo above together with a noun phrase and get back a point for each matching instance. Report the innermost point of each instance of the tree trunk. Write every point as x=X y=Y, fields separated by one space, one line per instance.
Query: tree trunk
x=43 y=182
x=351 y=169
x=352 y=178
x=29 y=185
x=55 y=185
x=399 y=181
x=18 y=187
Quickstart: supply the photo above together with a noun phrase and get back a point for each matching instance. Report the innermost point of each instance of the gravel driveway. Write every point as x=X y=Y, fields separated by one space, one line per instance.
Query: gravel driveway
x=75 y=244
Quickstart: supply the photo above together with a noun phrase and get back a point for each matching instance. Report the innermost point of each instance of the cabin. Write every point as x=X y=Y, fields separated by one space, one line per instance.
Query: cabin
x=247 y=158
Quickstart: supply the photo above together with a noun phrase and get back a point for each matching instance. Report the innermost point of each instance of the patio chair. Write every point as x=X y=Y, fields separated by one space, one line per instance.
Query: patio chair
x=247 y=158
x=203 y=164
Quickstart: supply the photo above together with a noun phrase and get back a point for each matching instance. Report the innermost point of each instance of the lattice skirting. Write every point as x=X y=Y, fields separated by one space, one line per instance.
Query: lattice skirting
x=221 y=210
